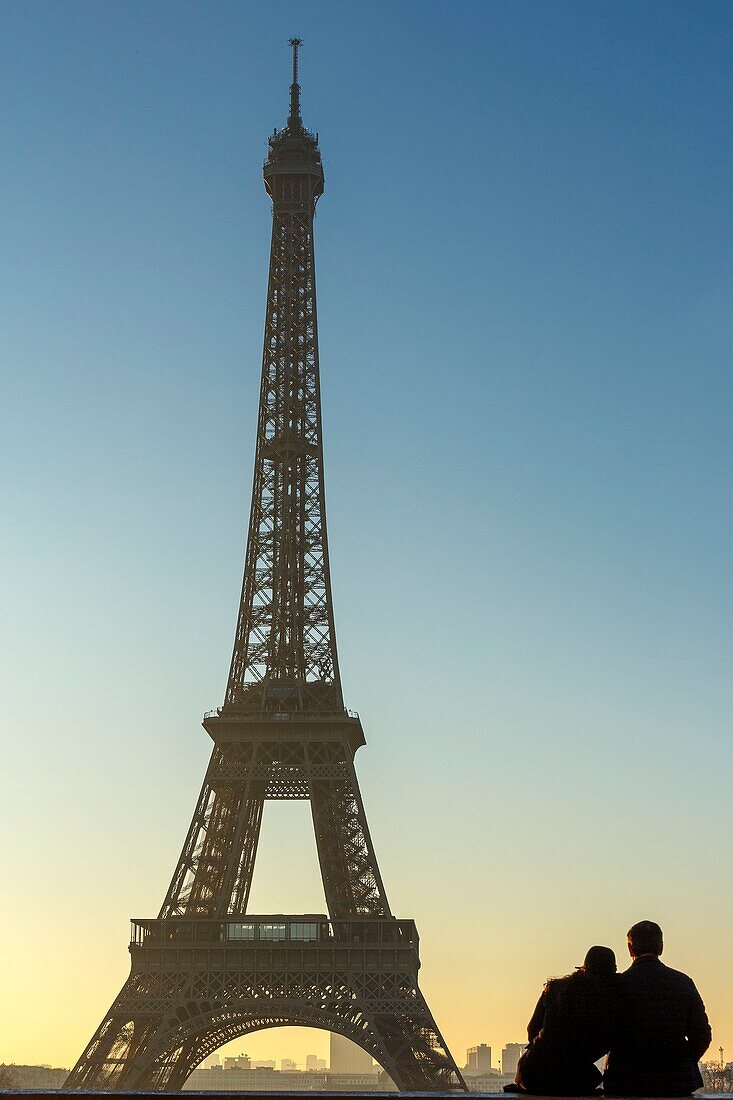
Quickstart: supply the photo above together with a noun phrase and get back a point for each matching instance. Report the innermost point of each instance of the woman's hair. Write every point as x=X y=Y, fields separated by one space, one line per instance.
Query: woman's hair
x=599 y=961
x=585 y=995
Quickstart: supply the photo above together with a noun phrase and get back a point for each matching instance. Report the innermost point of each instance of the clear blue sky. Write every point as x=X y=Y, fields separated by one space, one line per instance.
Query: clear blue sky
x=524 y=277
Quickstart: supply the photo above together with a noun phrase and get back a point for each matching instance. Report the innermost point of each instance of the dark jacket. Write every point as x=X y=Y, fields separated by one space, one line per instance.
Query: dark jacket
x=663 y=1032
x=569 y=1031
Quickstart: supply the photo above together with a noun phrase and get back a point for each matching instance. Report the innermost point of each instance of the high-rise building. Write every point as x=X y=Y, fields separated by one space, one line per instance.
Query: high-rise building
x=347 y=1057
x=314 y=1064
x=287 y=1065
x=510 y=1056
x=478 y=1059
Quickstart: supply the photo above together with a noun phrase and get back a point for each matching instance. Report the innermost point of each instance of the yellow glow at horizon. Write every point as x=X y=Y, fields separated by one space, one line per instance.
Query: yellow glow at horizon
x=486 y=949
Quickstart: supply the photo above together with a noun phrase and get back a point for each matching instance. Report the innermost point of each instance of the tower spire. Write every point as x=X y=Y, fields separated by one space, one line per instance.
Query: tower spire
x=295 y=122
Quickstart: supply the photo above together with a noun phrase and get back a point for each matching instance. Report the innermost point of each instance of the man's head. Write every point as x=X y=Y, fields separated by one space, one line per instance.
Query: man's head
x=645 y=938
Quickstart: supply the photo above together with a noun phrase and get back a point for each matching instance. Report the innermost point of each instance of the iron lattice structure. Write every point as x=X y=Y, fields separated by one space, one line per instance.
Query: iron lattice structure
x=205 y=971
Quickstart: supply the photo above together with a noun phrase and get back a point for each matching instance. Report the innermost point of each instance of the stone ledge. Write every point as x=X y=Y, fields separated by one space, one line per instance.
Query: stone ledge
x=275 y=1094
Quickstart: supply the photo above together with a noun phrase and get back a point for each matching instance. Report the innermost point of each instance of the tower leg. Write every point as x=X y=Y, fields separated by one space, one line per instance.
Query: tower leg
x=351 y=879
x=214 y=871
x=119 y=1043
x=417 y=1057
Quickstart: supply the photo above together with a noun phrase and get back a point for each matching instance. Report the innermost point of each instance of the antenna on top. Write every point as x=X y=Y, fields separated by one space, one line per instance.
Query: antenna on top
x=295 y=122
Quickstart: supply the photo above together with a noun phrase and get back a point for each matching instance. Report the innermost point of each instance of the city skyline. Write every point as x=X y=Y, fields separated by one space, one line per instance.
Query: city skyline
x=566 y=416
x=233 y=1055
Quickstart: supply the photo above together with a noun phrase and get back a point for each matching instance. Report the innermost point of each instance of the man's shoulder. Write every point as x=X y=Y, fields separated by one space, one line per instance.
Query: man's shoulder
x=678 y=977
x=656 y=972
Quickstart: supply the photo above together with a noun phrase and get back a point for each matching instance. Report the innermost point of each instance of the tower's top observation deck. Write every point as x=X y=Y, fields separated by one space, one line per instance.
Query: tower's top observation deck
x=294 y=152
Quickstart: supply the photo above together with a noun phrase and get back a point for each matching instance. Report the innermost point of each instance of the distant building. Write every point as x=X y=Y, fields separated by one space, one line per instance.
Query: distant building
x=33 y=1077
x=717 y=1076
x=274 y=1080
x=347 y=1057
x=359 y=1082
x=287 y=1065
x=314 y=1064
x=242 y=1061
x=510 y=1056
x=234 y=1079
x=490 y=1081
x=267 y=1063
x=478 y=1059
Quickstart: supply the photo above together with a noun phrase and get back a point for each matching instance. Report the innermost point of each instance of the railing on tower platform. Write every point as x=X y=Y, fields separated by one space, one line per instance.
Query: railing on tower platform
x=308 y=929
x=290 y=715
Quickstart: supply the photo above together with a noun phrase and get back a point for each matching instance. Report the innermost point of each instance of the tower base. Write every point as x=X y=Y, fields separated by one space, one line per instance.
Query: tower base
x=197 y=983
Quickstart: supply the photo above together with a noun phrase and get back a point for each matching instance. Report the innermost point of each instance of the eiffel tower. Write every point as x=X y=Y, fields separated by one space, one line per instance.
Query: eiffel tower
x=205 y=971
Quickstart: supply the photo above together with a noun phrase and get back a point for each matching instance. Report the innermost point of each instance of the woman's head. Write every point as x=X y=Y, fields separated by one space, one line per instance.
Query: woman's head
x=599 y=961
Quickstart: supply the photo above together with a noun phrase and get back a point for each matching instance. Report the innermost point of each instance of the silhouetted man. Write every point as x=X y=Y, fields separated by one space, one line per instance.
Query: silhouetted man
x=663 y=1031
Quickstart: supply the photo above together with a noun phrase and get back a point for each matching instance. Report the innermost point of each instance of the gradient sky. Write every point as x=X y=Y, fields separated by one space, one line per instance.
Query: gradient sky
x=524 y=281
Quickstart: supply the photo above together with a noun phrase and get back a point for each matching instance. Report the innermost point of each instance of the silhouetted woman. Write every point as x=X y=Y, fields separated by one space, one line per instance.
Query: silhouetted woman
x=571 y=1029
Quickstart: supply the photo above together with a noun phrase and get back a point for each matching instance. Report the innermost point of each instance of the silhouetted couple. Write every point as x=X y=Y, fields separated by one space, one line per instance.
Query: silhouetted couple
x=650 y=1021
